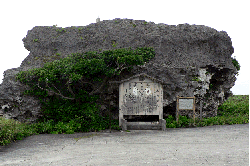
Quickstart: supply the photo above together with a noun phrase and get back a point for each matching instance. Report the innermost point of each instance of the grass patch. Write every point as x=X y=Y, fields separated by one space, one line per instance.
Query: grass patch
x=11 y=130
x=234 y=106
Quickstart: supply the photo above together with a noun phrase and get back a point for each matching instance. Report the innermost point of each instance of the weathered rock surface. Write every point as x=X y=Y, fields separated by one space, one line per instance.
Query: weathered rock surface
x=194 y=60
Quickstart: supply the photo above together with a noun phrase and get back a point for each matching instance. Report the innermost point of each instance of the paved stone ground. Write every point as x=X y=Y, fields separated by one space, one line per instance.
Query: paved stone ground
x=213 y=145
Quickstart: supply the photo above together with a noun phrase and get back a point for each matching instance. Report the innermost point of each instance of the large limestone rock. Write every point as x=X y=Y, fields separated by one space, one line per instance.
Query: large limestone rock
x=194 y=60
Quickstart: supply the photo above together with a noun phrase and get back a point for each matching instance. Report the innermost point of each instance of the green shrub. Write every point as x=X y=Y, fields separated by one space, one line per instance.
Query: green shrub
x=171 y=122
x=11 y=130
x=43 y=127
x=72 y=118
x=183 y=121
x=235 y=105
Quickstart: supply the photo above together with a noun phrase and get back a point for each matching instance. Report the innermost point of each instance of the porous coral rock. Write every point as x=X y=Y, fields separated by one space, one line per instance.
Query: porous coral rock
x=194 y=60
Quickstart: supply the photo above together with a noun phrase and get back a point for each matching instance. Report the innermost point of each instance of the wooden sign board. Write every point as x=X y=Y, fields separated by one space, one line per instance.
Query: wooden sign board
x=185 y=103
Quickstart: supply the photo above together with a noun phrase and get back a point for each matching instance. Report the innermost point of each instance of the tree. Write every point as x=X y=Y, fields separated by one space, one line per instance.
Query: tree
x=82 y=73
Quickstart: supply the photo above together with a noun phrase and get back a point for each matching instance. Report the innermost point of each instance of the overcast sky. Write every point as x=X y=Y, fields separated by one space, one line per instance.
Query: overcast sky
x=19 y=16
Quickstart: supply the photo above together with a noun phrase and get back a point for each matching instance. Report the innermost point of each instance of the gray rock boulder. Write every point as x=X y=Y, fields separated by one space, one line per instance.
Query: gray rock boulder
x=194 y=60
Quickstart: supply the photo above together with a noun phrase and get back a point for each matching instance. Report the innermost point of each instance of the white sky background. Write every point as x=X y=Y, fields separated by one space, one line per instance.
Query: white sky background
x=19 y=16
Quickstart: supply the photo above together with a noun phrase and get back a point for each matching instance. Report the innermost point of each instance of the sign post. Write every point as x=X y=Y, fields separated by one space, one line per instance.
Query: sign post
x=185 y=103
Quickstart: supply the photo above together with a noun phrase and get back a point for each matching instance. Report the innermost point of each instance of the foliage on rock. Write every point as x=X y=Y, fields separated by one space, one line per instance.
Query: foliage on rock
x=69 y=87
x=236 y=63
x=83 y=69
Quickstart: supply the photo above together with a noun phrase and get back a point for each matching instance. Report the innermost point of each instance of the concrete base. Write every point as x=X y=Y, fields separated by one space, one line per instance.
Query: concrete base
x=124 y=124
x=161 y=125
